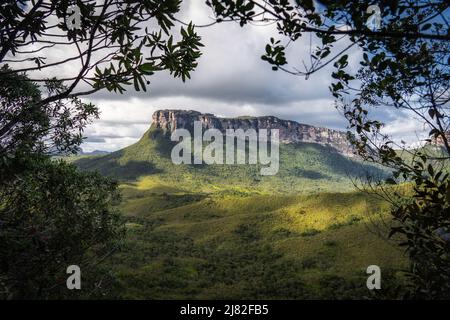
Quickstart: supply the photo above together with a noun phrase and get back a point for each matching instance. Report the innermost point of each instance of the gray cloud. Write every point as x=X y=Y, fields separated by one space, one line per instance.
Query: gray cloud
x=231 y=80
x=231 y=69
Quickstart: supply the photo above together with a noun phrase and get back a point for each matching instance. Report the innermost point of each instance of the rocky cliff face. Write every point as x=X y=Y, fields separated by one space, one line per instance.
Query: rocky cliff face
x=439 y=141
x=290 y=131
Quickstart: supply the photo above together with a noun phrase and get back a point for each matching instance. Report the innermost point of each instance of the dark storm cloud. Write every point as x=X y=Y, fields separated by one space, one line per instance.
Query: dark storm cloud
x=231 y=70
x=231 y=80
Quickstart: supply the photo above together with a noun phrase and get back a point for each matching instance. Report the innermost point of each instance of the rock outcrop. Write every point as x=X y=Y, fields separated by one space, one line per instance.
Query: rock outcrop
x=439 y=141
x=290 y=131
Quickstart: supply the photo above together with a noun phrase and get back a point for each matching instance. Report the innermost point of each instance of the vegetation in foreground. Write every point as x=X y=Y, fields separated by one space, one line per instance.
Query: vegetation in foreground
x=183 y=245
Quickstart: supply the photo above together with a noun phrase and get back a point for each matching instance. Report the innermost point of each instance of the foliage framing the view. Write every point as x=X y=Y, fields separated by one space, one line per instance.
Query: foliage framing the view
x=40 y=200
x=115 y=45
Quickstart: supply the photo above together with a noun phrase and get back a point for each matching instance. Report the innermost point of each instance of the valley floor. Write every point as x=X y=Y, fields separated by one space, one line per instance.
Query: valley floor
x=186 y=245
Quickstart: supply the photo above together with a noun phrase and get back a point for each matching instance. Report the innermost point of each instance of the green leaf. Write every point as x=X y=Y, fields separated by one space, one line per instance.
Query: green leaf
x=147 y=68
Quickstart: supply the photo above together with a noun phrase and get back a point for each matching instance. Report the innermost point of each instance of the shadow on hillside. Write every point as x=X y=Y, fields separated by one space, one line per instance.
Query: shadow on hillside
x=235 y=255
x=109 y=166
x=336 y=163
x=308 y=174
x=163 y=144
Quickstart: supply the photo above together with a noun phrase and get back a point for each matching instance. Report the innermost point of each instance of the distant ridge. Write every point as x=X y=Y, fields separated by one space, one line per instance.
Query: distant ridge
x=290 y=131
x=93 y=153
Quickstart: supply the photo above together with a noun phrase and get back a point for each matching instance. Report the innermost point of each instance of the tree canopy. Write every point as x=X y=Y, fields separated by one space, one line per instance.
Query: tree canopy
x=119 y=42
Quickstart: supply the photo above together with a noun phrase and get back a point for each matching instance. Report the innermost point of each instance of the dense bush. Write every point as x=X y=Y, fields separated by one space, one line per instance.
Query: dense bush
x=52 y=216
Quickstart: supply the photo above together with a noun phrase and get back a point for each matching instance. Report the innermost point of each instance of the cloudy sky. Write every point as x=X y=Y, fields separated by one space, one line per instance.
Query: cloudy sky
x=231 y=80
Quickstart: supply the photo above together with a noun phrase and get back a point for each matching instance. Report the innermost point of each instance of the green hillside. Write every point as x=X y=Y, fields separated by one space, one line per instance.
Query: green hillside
x=226 y=232
x=198 y=246
x=304 y=168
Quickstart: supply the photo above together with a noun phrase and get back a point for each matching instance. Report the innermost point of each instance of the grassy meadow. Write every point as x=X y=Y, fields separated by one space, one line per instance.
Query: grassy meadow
x=225 y=232
x=183 y=245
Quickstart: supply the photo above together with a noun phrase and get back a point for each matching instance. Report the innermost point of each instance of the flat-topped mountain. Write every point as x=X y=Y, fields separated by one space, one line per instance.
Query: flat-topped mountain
x=290 y=131
x=308 y=158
